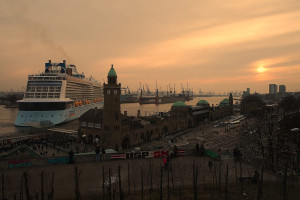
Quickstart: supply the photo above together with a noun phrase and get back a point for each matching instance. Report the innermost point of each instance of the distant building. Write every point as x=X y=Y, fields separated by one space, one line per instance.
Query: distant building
x=282 y=89
x=246 y=93
x=273 y=89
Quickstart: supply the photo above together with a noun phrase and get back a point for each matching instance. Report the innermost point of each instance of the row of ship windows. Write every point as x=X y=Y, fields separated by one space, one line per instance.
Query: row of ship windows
x=42 y=95
x=47 y=78
x=91 y=125
x=43 y=89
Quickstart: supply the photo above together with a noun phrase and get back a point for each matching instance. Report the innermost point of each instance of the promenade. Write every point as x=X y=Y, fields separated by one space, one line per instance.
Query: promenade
x=92 y=175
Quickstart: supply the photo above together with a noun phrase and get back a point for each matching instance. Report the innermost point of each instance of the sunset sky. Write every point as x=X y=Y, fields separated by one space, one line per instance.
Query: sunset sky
x=214 y=45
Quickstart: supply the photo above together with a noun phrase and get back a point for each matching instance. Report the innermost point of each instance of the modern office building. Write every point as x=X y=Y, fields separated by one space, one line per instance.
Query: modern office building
x=282 y=89
x=273 y=89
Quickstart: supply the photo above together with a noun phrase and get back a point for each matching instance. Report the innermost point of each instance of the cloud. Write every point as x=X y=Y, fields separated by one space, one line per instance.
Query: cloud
x=212 y=43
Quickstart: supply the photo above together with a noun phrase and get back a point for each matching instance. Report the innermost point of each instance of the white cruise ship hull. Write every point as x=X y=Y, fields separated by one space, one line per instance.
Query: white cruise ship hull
x=34 y=118
x=57 y=95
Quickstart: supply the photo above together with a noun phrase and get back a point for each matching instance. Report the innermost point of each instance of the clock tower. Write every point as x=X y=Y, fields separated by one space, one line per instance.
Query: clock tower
x=112 y=109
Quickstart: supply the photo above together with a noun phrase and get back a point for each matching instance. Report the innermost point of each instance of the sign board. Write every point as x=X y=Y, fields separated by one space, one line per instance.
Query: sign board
x=18 y=163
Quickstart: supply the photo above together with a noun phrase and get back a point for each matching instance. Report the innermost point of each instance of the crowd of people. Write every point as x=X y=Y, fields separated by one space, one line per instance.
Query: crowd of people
x=40 y=143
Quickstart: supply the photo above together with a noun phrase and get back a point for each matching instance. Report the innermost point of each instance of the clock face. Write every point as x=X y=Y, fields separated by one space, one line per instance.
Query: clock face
x=108 y=91
x=115 y=92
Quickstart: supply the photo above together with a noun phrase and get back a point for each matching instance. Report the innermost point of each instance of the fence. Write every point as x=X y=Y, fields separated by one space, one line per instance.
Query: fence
x=85 y=157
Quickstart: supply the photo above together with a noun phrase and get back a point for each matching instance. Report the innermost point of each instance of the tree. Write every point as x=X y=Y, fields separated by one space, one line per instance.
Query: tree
x=289 y=103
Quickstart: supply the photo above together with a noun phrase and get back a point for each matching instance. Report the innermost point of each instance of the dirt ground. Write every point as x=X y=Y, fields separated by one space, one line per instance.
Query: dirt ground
x=134 y=174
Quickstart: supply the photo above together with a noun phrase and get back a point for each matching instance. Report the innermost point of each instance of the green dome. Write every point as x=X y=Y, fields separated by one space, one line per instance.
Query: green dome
x=179 y=103
x=112 y=72
x=224 y=102
x=203 y=103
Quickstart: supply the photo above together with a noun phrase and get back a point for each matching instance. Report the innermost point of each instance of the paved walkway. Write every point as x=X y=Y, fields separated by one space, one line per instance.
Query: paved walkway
x=212 y=138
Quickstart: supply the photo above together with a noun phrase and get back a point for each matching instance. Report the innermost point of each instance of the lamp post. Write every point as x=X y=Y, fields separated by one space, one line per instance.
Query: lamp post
x=297 y=131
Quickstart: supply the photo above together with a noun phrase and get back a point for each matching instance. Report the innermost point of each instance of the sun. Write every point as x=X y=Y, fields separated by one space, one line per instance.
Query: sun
x=261 y=69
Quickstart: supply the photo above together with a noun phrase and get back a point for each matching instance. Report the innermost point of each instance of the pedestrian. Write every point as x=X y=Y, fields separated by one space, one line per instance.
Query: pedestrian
x=175 y=150
x=71 y=157
x=197 y=147
x=202 y=150
x=168 y=161
x=165 y=162
x=97 y=151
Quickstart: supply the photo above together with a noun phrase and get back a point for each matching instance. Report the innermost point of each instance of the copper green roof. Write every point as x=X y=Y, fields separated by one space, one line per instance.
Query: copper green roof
x=203 y=103
x=112 y=72
x=179 y=103
x=224 y=102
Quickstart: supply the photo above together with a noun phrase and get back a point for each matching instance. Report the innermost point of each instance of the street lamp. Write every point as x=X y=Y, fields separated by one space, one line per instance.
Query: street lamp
x=297 y=131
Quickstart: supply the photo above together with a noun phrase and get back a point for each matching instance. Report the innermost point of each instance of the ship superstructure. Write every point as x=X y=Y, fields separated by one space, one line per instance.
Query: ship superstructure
x=58 y=95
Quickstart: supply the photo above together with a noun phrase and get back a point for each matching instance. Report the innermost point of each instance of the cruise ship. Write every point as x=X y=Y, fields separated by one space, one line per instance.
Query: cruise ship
x=59 y=94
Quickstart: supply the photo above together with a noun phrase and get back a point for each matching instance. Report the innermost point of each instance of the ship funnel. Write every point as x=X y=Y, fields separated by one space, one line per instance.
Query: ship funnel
x=69 y=71
x=49 y=61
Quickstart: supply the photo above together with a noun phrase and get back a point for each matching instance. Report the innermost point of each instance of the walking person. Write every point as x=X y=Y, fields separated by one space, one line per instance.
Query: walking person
x=71 y=157
x=97 y=151
x=175 y=150
x=168 y=161
x=165 y=162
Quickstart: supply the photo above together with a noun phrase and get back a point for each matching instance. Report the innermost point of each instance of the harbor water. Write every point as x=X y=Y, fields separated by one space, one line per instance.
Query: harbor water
x=8 y=115
x=148 y=109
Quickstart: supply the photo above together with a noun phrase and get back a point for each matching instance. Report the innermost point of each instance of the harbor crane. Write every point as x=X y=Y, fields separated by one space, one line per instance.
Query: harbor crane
x=170 y=88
